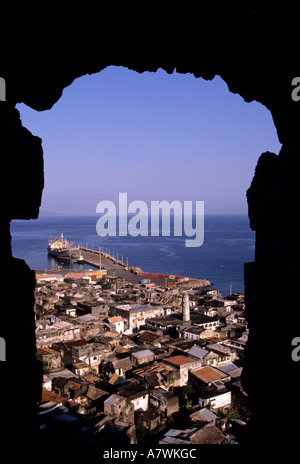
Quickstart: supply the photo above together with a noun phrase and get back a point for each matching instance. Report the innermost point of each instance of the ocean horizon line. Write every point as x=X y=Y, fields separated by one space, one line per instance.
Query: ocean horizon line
x=44 y=214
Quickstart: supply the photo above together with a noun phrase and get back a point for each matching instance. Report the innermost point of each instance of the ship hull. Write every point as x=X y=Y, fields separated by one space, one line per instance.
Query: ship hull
x=60 y=248
x=62 y=254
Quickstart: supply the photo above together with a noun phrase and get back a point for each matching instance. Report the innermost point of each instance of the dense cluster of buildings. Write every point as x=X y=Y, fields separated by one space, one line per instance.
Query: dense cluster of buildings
x=130 y=363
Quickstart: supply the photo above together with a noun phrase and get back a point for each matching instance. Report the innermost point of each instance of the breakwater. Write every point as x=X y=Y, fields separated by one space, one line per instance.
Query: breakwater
x=98 y=258
x=121 y=269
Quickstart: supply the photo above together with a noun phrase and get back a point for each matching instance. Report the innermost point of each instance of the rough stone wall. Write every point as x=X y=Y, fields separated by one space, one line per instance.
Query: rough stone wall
x=21 y=190
x=271 y=285
x=40 y=64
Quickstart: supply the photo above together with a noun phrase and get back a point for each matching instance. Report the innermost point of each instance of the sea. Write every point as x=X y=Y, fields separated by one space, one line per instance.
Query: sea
x=228 y=244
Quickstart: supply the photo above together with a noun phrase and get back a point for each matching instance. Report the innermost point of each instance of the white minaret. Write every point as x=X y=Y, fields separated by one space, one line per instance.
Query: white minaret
x=186 y=307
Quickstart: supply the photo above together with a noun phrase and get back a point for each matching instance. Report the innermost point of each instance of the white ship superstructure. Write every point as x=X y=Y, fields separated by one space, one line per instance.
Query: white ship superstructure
x=60 y=247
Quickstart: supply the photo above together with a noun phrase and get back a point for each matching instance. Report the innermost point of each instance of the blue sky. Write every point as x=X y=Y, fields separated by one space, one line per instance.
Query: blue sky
x=154 y=136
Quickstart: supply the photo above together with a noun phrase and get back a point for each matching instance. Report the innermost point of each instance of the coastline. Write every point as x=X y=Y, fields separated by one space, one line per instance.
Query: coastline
x=228 y=244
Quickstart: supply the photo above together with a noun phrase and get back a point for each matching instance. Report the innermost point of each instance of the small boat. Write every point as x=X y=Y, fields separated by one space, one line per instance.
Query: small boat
x=80 y=259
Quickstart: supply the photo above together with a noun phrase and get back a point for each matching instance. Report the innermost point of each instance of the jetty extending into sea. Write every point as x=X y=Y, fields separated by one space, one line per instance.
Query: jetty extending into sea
x=116 y=267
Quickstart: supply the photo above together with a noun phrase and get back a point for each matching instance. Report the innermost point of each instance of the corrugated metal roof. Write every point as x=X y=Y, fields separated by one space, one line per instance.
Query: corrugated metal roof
x=173 y=433
x=221 y=349
x=148 y=336
x=174 y=441
x=143 y=354
x=208 y=374
x=179 y=360
x=114 y=399
x=208 y=415
x=197 y=352
x=139 y=308
x=203 y=413
x=78 y=342
x=190 y=432
x=153 y=380
x=87 y=317
x=94 y=393
x=45 y=350
x=227 y=367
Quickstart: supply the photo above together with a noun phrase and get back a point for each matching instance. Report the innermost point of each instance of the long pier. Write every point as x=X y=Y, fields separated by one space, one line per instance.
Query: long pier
x=114 y=267
x=117 y=267
x=98 y=258
x=101 y=259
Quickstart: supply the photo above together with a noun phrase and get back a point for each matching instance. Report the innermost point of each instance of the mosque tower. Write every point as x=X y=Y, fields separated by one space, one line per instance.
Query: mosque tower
x=186 y=307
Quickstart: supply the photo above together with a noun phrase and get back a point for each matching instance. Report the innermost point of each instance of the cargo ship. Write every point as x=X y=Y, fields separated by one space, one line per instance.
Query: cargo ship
x=60 y=247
